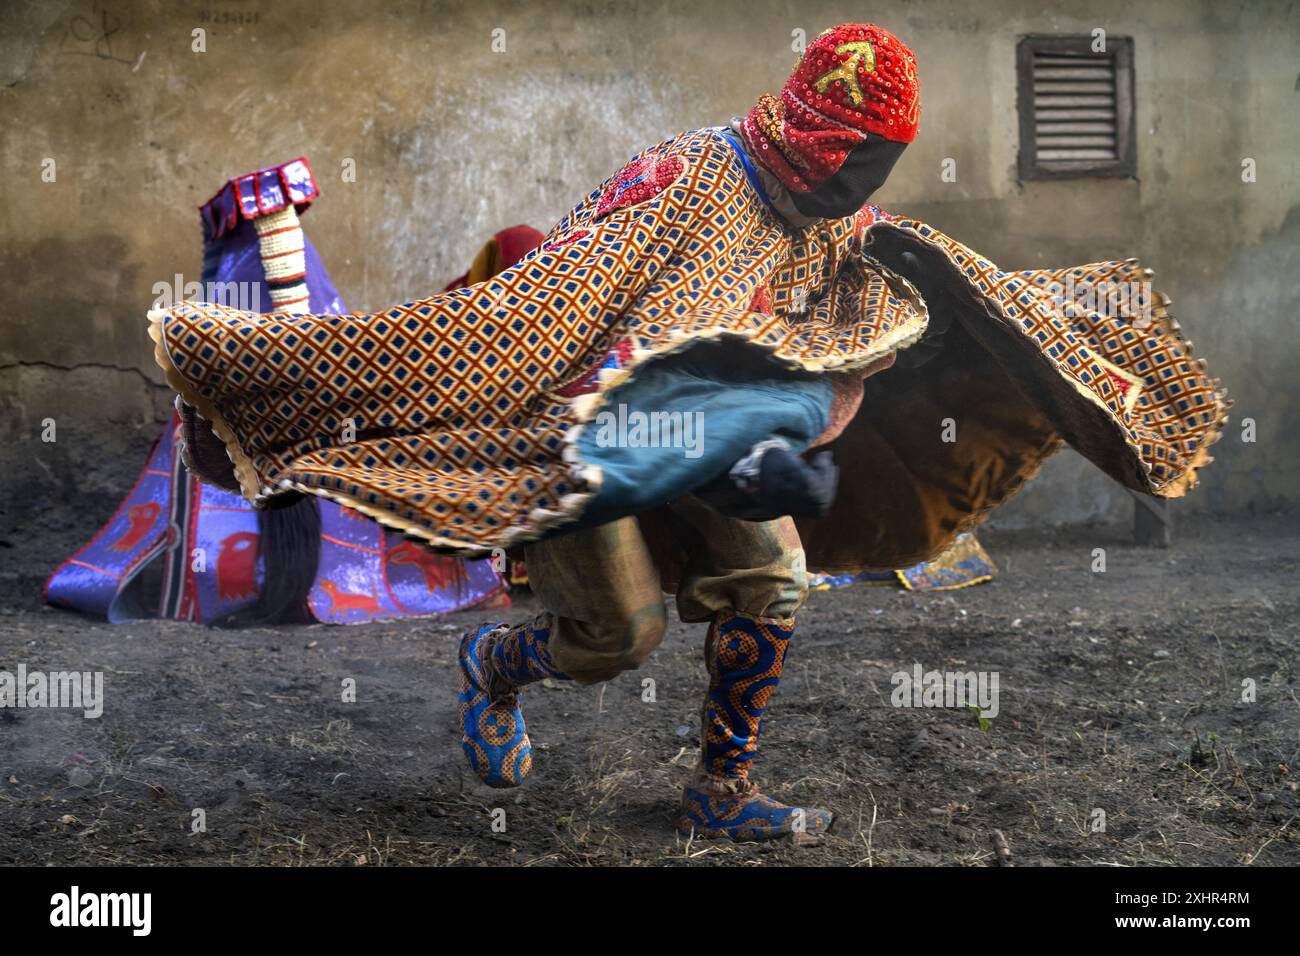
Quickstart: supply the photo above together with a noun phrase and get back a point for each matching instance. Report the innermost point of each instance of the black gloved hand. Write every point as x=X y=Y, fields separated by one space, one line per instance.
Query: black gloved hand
x=791 y=486
x=784 y=485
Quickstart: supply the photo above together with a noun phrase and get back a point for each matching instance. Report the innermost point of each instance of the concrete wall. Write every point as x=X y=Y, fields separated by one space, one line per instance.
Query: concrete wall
x=452 y=141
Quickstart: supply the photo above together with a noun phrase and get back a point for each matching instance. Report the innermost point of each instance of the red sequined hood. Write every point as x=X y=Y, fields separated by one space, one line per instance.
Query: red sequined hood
x=852 y=80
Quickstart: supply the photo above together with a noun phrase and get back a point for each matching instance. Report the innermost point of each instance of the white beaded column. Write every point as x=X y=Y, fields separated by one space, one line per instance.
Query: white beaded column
x=280 y=242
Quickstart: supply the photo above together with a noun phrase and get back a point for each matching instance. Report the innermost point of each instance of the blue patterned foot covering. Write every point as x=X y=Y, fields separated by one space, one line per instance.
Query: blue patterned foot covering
x=492 y=731
x=747 y=815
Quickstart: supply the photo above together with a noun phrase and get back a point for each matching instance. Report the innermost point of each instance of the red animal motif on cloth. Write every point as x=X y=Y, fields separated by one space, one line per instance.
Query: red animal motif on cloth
x=439 y=571
x=349 y=600
x=237 y=566
x=141 y=519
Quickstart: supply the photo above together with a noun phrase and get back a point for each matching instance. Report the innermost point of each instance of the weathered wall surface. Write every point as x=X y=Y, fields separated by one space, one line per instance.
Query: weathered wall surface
x=451 y=141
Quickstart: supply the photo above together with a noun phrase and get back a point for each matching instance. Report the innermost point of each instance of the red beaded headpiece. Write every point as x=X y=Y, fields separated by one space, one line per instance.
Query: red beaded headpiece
x=853 y=80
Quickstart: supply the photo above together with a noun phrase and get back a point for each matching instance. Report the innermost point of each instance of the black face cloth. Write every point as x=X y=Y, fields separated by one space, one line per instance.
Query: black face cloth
x=864 y=171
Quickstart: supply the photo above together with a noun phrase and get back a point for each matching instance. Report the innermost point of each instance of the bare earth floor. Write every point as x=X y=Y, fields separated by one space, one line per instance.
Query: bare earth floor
x=1120 y=692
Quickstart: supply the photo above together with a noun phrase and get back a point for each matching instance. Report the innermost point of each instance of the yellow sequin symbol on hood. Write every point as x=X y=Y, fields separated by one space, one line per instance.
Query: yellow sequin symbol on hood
x=847 y=71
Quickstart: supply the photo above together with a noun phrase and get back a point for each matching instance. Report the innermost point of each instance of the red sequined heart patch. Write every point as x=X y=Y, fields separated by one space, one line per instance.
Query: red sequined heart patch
x=640 y=180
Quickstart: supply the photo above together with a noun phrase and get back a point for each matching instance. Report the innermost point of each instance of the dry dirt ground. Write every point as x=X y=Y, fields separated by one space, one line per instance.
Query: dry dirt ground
x=1120 y=692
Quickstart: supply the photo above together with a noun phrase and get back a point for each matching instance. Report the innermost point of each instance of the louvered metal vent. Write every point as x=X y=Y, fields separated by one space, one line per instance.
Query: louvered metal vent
x=1076 y=107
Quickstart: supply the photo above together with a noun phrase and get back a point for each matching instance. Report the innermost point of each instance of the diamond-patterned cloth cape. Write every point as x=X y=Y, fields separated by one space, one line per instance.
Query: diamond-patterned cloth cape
x=442 y=418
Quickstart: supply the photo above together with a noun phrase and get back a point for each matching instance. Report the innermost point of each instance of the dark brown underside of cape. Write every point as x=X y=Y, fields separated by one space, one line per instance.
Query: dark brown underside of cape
x=905 y=492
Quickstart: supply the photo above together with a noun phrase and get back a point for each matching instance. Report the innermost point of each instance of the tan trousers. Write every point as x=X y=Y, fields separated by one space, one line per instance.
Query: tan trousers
x=603 y=589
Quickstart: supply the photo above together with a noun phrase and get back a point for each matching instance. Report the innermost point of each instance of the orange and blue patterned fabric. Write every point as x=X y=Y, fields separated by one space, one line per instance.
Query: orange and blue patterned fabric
x=750 y=815
x=522 y=655
x=447 y=419
x=963 y=564
x=745 y=656
x=493 y=734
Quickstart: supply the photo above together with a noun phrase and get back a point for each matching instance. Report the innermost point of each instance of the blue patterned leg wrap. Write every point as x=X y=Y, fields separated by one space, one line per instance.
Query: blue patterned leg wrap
x=745 y=657
x=523 y=655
